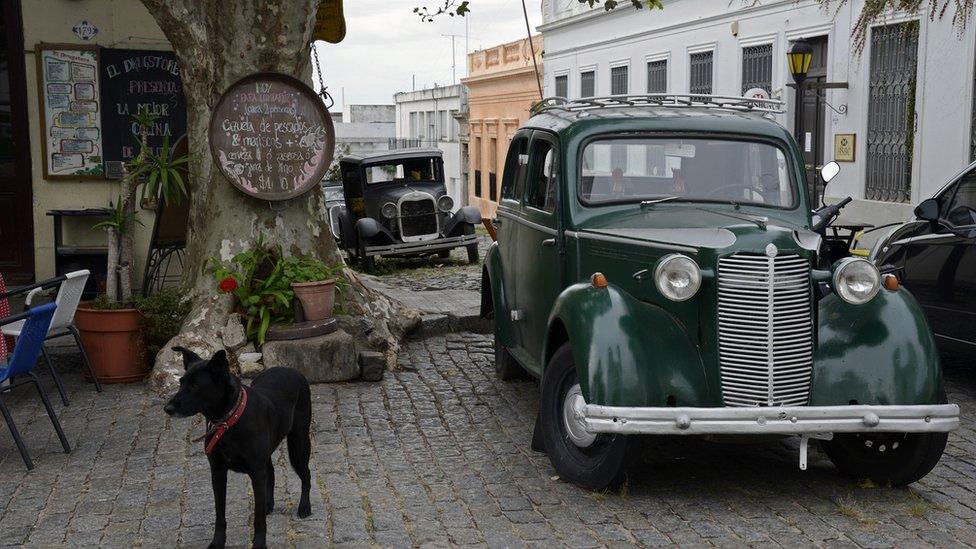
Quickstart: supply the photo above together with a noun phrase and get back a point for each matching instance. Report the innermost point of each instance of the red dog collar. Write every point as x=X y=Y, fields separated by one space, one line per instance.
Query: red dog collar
x=215 y=431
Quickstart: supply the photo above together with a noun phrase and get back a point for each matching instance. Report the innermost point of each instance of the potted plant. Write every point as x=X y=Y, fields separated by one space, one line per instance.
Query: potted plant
x=266 y=284
x=110 y=325
x=314 y=284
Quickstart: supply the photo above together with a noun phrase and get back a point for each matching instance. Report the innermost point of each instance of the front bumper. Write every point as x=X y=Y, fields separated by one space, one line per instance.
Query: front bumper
x=423 y=246
x=786 y=420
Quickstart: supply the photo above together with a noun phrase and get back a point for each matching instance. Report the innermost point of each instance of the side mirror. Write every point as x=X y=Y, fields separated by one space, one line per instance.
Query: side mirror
x=829 y=171
x=928 y=210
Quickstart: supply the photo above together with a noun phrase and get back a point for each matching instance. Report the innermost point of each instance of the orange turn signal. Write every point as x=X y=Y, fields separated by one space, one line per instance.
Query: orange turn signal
x=599 y=280
x=890 y=282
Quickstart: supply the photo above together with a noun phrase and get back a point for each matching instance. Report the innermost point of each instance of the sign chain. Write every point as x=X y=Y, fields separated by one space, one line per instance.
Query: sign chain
x=323 y=89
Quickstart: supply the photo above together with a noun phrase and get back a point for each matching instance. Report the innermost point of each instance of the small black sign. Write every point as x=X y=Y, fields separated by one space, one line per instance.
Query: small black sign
x=134 y=81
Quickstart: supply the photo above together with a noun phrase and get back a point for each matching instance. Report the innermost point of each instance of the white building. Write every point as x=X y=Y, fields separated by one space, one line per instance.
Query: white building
x=901 y=154
x=426 y=118
x=365 y=128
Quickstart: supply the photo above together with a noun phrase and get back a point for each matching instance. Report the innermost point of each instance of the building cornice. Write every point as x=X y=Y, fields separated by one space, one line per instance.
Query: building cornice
x=627 y=10
x=478 y=78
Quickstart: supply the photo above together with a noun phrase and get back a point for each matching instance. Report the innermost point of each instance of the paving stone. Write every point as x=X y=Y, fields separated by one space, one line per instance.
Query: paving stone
x=439 y=456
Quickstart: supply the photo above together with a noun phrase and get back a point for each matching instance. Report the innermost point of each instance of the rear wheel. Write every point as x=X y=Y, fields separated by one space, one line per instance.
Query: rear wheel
x=506 y=368
x=593 y=461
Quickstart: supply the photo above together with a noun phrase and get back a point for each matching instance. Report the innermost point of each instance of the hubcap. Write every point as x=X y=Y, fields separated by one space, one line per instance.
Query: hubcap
x=573 y=406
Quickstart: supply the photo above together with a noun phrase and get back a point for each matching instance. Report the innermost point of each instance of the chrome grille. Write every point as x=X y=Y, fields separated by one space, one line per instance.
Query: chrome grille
x=765 y=330
x=418 y=217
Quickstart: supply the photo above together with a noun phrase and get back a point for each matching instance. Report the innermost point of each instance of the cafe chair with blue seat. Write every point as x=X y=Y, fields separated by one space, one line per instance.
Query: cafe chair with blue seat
x=36 y=322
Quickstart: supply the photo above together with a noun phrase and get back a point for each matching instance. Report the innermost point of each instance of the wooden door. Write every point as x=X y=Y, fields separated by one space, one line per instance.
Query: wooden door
x=16 y=208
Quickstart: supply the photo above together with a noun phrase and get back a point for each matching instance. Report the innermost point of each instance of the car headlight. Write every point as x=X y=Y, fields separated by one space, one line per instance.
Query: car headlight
x=389 y=210
x=677 y=277
x=445 y=203
x=856 y=280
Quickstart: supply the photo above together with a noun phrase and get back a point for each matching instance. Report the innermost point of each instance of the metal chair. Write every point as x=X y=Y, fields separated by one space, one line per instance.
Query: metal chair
x=34 y=328
x=69 y=295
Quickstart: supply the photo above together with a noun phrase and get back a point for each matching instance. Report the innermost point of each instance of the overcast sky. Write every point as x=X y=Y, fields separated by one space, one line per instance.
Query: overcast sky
x=386 y=45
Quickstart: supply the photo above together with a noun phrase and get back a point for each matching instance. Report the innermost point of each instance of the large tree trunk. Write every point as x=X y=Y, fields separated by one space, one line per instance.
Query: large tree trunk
x=218 y=42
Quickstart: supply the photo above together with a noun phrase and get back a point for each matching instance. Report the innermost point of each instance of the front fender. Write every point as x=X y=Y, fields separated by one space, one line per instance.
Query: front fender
x=493 y=293
x=627 y=352
x=368 y=228
x=881 y=352
x=467 y=214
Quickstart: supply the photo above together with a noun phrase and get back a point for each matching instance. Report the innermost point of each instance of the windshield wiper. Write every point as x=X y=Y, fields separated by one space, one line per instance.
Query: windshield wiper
x=650 y=203
x=759 y=221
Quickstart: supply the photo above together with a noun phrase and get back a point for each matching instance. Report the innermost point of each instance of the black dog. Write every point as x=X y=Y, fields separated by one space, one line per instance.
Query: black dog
x=245 y=425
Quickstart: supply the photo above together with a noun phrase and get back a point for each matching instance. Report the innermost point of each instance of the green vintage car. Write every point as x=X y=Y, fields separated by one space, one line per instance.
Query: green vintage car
x=659 y=270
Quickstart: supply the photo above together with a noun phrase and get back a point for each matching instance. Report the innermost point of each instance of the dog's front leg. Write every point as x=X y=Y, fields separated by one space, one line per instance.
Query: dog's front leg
x=218 y=477
x=259 y=483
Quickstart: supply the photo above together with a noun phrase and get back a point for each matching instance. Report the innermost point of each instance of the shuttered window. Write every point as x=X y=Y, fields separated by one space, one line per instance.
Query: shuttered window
x=587 y=84
x=618 y=80
x=891 y=111
x=757 y=68
x=562 y=86
x=701 y=73
x=657 y=76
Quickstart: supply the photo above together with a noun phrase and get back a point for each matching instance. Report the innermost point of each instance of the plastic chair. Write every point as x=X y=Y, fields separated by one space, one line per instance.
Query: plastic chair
x=35 y=324
x=69 y=295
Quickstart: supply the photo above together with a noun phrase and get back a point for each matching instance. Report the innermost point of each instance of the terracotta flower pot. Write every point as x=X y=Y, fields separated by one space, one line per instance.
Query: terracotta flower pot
x=317 y=298
x=113 y=342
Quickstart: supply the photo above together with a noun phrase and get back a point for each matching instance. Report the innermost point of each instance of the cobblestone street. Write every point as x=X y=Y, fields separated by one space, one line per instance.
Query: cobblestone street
x=439 y=454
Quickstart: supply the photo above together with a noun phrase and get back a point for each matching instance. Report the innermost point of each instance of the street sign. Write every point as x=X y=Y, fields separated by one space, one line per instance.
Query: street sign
x=272 y=137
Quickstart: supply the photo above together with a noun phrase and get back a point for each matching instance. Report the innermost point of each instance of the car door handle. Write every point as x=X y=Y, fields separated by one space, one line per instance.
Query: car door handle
x=549 y=243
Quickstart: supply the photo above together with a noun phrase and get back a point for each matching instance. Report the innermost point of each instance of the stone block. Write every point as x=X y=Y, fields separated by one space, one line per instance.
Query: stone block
x=323 y=359
x=372 y=365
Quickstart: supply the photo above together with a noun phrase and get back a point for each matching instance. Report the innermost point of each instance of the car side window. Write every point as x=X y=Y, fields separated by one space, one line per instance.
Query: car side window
x=962 y=209
x=542 y=192
x=514 y=166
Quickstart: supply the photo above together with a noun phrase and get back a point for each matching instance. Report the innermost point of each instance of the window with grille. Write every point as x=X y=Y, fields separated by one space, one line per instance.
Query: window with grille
x=657 y=76
x=562 y=86
x=701 y=73
x=587 y=84
x=476 y=156
x=891 y=112
x=757 y=68
x=618 y=80
x=492 y=162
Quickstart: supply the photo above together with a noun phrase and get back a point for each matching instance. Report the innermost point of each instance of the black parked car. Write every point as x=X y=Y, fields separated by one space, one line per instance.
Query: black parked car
x=937 y=251
x=396 y=205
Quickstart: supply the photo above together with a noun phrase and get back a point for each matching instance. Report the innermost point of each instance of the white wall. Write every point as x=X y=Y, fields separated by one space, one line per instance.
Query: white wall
x=436 y=100
x=577 y=38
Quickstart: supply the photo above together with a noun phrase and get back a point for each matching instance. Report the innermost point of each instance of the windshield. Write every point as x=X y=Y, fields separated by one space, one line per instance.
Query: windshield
x=703 y=170
x=407 y=170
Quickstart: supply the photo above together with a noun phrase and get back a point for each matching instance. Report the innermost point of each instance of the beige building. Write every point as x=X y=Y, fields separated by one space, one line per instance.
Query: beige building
x=58 y=135
x=502 y=86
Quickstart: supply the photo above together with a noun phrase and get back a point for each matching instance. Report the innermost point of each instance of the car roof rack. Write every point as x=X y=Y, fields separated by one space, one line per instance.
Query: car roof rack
x=729 y=102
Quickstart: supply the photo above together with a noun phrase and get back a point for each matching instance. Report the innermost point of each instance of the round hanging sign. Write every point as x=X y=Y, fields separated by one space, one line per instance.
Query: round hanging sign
x=271 y=136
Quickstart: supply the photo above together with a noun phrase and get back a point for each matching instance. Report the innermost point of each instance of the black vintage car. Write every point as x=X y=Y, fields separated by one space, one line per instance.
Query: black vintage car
x=396 y=205
x=937 y=252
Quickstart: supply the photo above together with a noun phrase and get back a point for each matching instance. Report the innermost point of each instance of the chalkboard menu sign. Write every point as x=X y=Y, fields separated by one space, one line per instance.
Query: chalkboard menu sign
x=272 y=136
x=135 y=81
x=71 y=133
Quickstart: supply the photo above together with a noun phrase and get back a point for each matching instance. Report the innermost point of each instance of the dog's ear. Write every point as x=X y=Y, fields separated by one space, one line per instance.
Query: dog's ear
x=189 y=357
x=219 y=362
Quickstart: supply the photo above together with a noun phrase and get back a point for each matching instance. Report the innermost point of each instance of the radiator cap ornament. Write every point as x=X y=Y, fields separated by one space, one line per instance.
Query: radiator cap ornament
x=771 y=250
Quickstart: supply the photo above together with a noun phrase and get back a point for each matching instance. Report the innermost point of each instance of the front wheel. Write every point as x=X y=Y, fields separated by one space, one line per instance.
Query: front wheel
x=886 y=458
x=506 y=368
x=591 y=460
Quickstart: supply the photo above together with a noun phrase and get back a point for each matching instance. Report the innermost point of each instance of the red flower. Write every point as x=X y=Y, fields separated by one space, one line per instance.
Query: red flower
x=228 y=284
